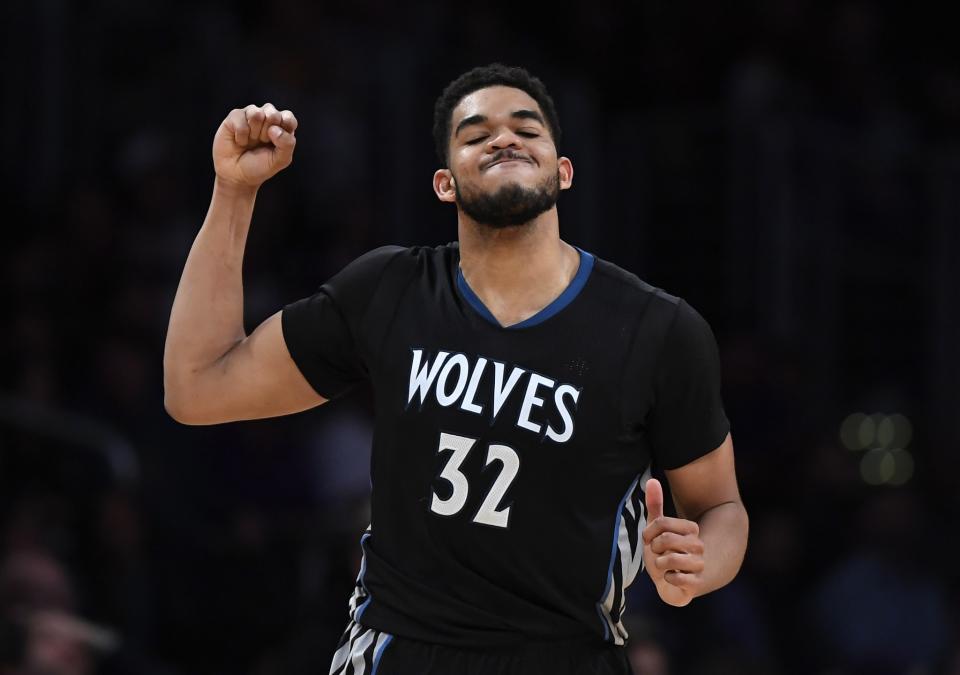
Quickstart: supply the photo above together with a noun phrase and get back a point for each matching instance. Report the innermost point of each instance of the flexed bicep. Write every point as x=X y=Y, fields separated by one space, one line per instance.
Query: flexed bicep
x=256 y=378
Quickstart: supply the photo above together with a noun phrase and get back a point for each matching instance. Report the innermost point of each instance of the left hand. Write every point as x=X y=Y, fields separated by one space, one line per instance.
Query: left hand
x=672 y=551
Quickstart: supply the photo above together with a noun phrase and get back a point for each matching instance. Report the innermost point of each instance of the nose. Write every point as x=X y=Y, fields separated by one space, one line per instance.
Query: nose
x=504 y=138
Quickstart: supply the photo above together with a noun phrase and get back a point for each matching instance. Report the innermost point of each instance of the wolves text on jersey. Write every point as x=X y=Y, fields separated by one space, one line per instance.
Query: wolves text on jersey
x=452 y=378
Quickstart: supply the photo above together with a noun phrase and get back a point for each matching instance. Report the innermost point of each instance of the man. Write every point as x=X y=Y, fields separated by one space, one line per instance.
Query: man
x=523 y=388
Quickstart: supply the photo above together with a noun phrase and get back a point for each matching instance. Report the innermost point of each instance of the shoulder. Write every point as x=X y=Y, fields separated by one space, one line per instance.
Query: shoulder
x=407 y=256
x=662 y=317
x=388 y=267
x=372 y=265
x=625 y=281
x=377 y=258
x=644 y=298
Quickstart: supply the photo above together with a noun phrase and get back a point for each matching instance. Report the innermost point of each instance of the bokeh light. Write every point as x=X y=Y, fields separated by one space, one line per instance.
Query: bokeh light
x=885 y=438
x=902 y=466
x=877 y=466
x=850 y=431
x=860 y=431
x=886 y=466
x=867 y=434
x=885 y=432
x=902 y=430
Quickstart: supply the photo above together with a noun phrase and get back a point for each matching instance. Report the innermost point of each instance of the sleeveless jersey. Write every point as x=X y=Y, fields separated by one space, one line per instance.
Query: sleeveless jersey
x=508 y=463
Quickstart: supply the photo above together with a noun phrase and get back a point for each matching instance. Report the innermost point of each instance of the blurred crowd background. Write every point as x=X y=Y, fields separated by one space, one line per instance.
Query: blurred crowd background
x=789 y=167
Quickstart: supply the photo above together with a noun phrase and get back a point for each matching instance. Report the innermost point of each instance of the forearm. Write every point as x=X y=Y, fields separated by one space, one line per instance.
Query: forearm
x=206 y=320
x=723 y=530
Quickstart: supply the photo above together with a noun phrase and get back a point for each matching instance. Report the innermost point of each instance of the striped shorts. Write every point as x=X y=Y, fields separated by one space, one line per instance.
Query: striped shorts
x=367 y=651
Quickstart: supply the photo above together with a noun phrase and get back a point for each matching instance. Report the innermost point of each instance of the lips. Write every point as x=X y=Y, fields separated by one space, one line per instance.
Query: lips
x=507 y=159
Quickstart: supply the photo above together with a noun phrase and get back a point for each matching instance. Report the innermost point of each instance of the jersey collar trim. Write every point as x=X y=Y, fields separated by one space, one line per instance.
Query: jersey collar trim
x=569 y=294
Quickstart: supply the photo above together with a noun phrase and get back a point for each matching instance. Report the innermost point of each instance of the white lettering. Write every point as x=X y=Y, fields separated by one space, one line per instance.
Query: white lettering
x=531 y=399
x=422 y=378
x=502 y=391
x=567 y=432
x=443 y=398
x=468 y=402
x=470 y=386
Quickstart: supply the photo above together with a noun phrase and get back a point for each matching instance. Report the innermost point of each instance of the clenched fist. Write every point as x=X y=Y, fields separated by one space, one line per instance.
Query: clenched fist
x=254 y=143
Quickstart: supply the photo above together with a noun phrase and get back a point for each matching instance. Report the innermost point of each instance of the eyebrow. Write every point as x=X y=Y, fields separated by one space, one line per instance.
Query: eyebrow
x=516 y=114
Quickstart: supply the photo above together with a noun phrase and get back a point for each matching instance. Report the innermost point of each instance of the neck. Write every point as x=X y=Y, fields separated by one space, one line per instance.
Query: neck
x=516 y=271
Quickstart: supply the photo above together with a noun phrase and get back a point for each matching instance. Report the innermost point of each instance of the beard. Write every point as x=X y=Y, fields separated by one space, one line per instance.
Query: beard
x=511 y=204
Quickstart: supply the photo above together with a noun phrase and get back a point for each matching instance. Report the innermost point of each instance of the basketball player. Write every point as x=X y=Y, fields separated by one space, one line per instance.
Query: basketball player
x=523 y=389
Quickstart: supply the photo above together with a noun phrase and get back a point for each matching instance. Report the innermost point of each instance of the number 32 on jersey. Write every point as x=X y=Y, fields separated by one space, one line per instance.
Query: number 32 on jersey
x=489 y=512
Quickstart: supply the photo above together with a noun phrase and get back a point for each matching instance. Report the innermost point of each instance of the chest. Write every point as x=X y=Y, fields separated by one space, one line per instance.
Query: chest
x=544 y=385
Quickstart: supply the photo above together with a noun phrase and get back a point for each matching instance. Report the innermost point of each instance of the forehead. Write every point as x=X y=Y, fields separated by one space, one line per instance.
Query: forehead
x=493 y=101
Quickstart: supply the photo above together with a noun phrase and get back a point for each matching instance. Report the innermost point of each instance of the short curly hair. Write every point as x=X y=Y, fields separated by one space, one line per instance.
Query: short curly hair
x=480 y=78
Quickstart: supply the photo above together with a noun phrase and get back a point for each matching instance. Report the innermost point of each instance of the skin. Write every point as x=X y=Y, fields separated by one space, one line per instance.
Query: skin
x=214 y=372
x=516 y=271
x=702 y=549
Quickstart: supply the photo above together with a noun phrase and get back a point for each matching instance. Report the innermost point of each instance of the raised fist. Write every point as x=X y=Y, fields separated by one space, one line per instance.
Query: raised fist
x=254 y=143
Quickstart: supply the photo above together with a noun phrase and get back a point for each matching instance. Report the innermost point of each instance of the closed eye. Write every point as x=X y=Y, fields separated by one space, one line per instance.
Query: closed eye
x=525 y=134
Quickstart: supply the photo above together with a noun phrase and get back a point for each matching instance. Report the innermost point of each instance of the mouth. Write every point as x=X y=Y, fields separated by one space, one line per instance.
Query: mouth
x=507 y=160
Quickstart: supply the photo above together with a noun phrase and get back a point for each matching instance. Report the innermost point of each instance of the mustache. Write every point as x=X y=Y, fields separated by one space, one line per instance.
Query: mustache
x=507 y=153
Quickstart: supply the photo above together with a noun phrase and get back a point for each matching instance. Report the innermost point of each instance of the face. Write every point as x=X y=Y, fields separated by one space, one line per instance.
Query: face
x=503 y=169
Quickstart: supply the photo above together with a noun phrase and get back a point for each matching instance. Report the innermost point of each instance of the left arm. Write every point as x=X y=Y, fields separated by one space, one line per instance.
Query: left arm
x=702 y=549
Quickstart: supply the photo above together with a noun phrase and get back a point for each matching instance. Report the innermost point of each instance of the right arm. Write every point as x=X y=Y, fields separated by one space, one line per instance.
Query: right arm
x=212 y=371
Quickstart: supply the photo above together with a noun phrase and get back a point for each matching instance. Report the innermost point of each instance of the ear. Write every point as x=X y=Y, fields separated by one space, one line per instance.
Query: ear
x=444 y=186
x=565 y=167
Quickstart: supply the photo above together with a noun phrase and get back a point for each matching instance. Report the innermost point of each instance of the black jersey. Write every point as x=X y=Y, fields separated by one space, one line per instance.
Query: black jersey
x=508 y=463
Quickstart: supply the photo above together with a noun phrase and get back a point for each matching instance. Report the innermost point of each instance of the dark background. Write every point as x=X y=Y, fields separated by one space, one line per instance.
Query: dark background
x=789 y=167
